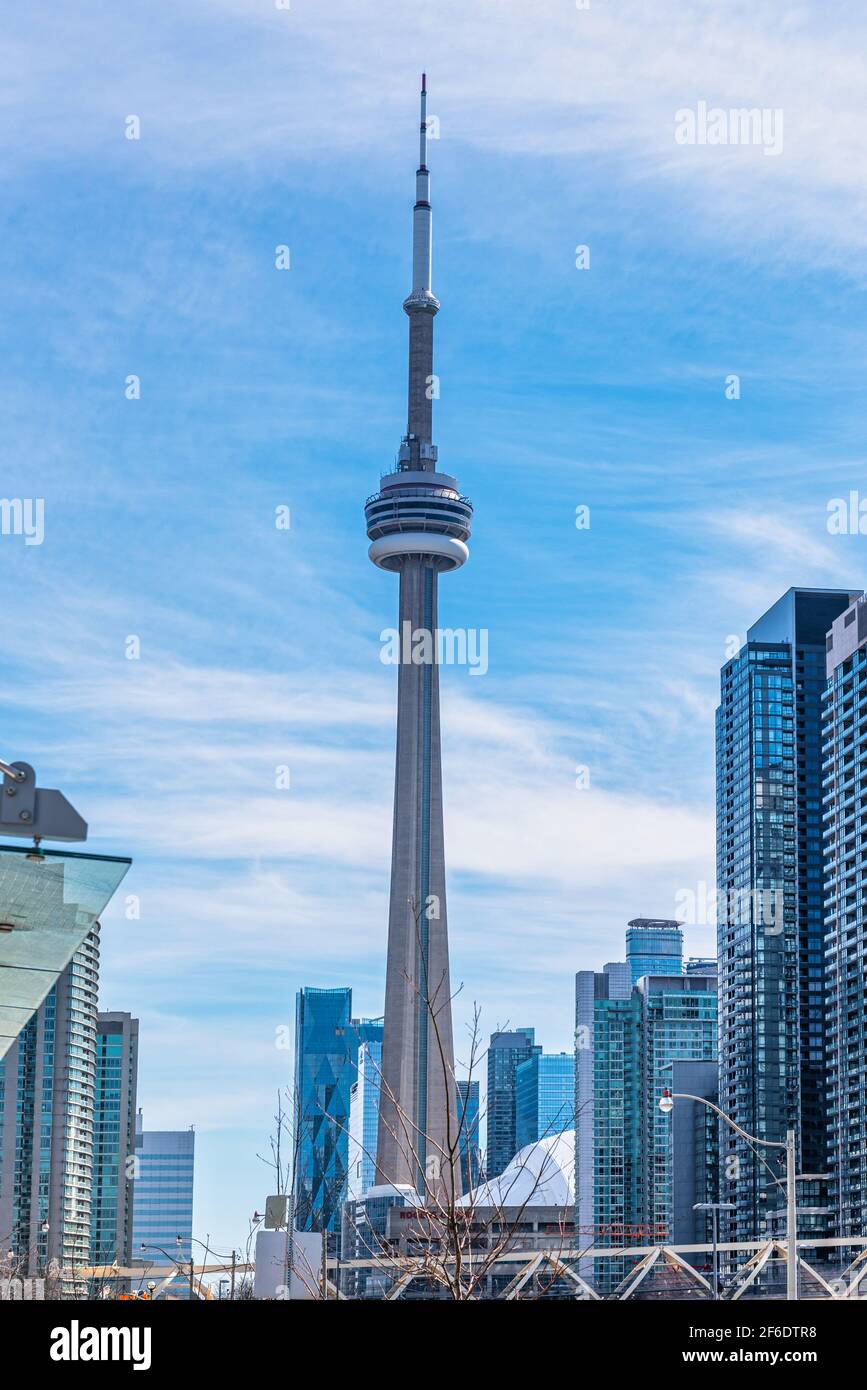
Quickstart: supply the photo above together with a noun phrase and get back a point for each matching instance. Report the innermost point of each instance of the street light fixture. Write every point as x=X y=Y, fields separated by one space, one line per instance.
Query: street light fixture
x=208 y=1251
x=666 y=1104
x=715 y=1207
x=177 y=1263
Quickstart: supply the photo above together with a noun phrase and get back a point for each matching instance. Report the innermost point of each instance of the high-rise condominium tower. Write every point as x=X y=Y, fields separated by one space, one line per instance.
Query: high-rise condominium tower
x=845 y=794
x=770 y=882
x=47 y=1081
x=418 y=525
x=506 y=1052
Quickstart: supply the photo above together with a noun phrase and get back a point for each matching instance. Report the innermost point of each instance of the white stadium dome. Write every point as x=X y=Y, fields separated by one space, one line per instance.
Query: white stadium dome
x=540 y=1175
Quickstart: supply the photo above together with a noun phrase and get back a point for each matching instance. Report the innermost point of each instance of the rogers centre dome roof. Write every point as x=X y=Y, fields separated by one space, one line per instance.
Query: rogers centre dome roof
x=540 y=1175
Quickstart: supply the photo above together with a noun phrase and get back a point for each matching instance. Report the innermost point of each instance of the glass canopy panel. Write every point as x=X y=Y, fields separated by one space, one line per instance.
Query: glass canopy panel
x=48 y=903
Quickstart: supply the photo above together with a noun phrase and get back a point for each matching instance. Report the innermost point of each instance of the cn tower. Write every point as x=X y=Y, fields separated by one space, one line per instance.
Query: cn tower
x=418 y=525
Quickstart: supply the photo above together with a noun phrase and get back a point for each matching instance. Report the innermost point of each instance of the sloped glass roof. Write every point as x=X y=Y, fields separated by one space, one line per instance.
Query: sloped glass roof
x=48 y=903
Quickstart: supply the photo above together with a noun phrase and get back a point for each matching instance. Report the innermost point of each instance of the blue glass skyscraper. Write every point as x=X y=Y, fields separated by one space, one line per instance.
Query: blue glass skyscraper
x=654 y=946
x=163 y=1193
x=468 y=1119
x=769 y=883
x=544 y=1096
x=327 y=1039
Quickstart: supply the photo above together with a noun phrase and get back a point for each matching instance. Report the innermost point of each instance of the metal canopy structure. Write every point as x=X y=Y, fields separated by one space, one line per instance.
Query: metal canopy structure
x=49 y=901
x=41 y=812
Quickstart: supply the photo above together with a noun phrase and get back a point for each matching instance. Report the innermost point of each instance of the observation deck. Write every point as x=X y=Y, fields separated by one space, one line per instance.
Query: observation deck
x=418 y=513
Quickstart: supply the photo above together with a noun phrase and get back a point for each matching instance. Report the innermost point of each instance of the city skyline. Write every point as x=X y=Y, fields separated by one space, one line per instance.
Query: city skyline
x=563 y=387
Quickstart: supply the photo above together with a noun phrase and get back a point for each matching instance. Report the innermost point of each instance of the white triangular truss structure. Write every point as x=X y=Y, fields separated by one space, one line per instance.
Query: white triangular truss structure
x=749 y=1273
x=664 y=1254
x=558 y=1268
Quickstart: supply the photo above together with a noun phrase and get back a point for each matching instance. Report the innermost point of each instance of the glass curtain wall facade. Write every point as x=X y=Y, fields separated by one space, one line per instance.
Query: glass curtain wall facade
x=654 y=946
x=327 y=1039
x=163 y=1192
x=506 y=1050
x=677 y=1022
x=769 y=881
x=47 y=1089
x=544 y=1097
x=114 y=1138
x=629 y=1185
x=468 y=1119
x=845 y=804
x=364 y=1120
x=607 y=1118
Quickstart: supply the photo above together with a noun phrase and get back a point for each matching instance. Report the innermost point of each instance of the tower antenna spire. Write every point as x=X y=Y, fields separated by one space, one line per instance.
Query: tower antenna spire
x=420 y=304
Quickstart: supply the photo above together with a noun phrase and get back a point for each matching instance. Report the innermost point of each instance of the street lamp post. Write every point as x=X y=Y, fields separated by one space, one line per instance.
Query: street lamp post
x=716 y=1208
x=666 y=1104
x=171 y=1258
x=225 y=1258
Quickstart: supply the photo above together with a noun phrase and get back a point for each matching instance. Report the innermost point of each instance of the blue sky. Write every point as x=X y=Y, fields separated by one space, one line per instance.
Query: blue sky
x=260 y=388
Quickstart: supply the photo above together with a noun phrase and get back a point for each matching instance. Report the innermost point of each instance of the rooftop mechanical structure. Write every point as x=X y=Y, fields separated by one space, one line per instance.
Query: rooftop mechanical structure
x=418 y=525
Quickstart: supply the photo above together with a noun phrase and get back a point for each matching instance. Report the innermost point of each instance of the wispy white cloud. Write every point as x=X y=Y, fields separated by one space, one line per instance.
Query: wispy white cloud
x=545 y=80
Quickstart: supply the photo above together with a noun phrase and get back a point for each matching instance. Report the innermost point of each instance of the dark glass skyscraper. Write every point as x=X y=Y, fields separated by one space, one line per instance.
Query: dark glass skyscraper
x=845 y=785
x=327 y=1039
x=769 y=882
x=506 y=1051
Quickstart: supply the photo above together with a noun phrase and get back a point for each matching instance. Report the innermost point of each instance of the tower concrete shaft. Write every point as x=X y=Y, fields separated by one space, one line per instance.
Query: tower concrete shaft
x=418 y=524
